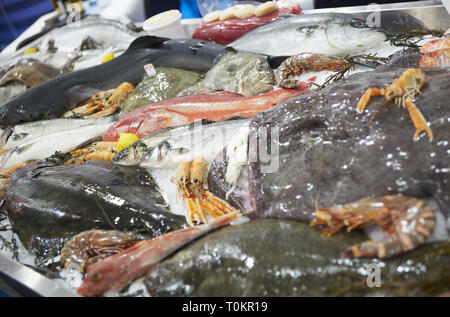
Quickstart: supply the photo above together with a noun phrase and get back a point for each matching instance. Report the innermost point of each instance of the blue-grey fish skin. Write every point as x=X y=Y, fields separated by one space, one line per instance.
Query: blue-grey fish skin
x=54 y=97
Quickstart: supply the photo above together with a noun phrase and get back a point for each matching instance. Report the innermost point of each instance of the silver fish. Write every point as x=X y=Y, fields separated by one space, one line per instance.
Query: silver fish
x=43 y=141
x=335 y=34
x=166 y=148
x=21 y=134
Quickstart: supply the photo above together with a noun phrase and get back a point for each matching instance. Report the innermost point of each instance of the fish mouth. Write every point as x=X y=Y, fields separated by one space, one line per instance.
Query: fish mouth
x=124 y=158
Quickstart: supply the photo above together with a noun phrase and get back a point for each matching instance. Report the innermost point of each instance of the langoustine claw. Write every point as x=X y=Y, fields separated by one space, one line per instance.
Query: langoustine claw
x=90 y=246
x=191 y=182
x=407 y=221
x=102 y=103
x=297 y=64
x=403 y=90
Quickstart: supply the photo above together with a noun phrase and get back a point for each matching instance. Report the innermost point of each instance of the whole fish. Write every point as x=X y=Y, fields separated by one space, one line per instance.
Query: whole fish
x=186 y=109
x=167 y=147
x=68 y=38
x=118 y=270
x=21 y=134
x=244 y=73
x=54 y=97
x=335 y=34
x=225 y=32
x=46 y=145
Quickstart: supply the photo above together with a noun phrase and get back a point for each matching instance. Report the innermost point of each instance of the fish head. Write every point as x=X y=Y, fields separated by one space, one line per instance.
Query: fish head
x=99 y=278
x=258 y=76
x=353 y=35
x=131 y=155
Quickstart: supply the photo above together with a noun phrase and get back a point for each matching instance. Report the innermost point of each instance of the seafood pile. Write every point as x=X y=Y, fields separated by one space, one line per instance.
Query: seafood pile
x=171 y=167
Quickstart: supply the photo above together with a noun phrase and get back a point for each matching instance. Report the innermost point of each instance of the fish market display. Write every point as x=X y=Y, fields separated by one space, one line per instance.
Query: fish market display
x=101 y=104
x=184 y=110
x=88 y=33
x=24 y=73
x=58 y=95
x=119 y=269
x=306 y=156
x=170 y=146
x=53 y=137
x=272 y=257
x=243 y=73
x=166 y=83
x=343 y=156
x=30 y=73
x=169 y=156
x=437 y=53
x=228 y=30
x=48 y=204
x=334 y=34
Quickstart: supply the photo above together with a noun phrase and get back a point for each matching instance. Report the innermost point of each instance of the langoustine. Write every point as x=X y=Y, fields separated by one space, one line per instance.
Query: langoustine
x=408 y=222
x=437 y=53
x=90 y=246
x=297 y=64
x=186 y=109
x=328 y=156
x=117 y=270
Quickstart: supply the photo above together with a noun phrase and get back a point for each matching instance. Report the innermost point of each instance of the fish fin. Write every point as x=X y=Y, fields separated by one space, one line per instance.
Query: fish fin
x=4 y=137
x=148 y=41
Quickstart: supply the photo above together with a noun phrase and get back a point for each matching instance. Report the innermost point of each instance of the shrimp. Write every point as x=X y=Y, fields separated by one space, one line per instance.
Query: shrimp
x=297 y=64
x=408 y=223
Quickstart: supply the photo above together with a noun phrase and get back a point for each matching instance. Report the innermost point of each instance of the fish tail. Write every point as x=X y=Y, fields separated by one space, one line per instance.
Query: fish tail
x=224 y=220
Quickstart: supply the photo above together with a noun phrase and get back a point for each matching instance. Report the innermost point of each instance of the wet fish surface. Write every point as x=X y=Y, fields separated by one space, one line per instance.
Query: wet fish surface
x=272 y=257
x=40 y=146
x=166 y=83
x=240 y=72
x=167 y=147
x=48 y=203
x=328 y=155
x=335 y=34
x=54 y=97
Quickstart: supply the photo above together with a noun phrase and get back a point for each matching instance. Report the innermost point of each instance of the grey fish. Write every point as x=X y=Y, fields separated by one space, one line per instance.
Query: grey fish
x=244 y=73
x=335 y=34
x=57 y=95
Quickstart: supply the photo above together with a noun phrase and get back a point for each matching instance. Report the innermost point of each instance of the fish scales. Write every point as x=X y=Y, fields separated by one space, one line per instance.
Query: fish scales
x=54 y=97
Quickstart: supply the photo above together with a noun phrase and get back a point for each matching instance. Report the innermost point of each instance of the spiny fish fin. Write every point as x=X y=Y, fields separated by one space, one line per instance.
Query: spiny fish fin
x=148 y=41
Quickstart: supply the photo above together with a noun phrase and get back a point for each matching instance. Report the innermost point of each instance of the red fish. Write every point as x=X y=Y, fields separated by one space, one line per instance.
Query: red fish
x=435 y=45
x=118 y=270
x=436 y=59
x=187 y=109
x=225 y=32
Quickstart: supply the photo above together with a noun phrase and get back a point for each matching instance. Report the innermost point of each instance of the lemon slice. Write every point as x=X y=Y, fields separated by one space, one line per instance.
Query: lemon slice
x=30 y=51
x=107 y=57
x=125 y=140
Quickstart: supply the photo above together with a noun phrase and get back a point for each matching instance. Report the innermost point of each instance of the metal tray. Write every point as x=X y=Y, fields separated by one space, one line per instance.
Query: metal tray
x=19 y=280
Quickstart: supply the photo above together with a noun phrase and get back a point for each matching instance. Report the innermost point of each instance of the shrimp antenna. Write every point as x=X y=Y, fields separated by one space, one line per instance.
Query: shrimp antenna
x=374 y=114
x=105 y=215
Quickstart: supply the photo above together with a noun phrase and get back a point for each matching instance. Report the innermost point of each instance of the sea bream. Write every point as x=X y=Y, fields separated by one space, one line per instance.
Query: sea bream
x=335 y=34
x=58 y=95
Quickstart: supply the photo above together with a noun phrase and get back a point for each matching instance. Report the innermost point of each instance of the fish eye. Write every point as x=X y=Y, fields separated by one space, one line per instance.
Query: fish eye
x=95 y=277
x=357 y=23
